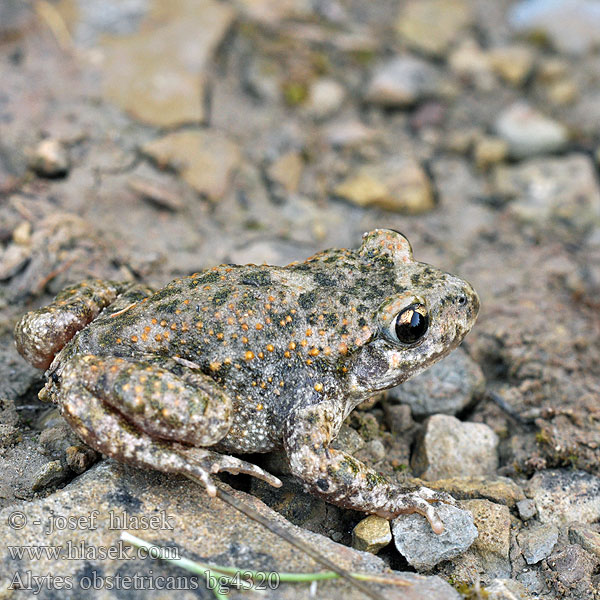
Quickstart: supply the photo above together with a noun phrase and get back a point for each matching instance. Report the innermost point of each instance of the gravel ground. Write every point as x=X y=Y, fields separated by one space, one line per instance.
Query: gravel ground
x=144 y=140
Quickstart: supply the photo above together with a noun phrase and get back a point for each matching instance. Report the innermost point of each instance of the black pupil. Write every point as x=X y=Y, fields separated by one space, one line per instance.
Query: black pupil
x=411 y=324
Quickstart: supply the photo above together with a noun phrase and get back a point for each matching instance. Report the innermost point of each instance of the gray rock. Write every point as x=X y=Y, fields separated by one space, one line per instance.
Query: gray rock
x=537 y=542
x=563 y=496
x=451 y=448
x=448 y=387
x=533 y=580
x=371 y=534
x=52 y=473
x=199 y=526
x=528 y=132
x=424 y=549
x=507 y=589
x=574 y=567
x=586 y=537
x=526 y=509
x=559 y=192
x=572 y=26
x=402 y=82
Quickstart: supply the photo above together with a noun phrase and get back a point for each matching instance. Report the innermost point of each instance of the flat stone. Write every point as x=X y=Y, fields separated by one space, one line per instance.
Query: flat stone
x=563 y=496
x=159 y=74
x=574 y=568
x=562 y=192
x=537 y=542
x=528 y=132
x=571 y=26
x=52 y=473
x=512 y=63
x=489 y=151
x=422 y=548
x=526 y=509
x=493 y=542
x=349 y=134
x=497 y=489
x=586 y=537
x=200 y=527
x=205 y=158
x=507 y=589
x=431 y=26
x=448 y=387
x=451 y=448
x=399 y=185
x=286 y=170
x=371 y=534
x=402 y=81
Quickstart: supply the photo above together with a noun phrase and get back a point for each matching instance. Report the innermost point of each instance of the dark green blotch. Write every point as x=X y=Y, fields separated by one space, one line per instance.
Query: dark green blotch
x=307 y=299
x=331 y=319
x=167 y=307
x=220 y=297
x=256 y=278
x=324 y=279
x=210 y=277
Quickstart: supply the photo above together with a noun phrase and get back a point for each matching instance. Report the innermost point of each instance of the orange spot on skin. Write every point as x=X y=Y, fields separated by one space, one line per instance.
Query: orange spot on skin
x=199 y=325
x=220 y=336
x=158 y=337
x=287 y=354
x=314 y=352
x=343 y=348
x=244 y=326
x=244 y=339
x=308 y=332
x=163 y=323
x=119 y=340
x=259 y=326
x=249 y=355
x=259 y=406
x=292 y=345
x=134 y=338
x=270 y=347
x=318 y=387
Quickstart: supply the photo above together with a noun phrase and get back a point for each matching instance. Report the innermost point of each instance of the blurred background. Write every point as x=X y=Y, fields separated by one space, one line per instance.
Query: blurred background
x=145 y=139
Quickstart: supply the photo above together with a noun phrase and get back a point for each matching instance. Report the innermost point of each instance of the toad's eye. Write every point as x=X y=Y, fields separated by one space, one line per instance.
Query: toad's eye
x=411 y=324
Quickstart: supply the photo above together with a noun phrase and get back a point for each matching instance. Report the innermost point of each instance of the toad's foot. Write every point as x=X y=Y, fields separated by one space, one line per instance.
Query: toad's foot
x=419 y=501
x=341 y=479
x=213 y=462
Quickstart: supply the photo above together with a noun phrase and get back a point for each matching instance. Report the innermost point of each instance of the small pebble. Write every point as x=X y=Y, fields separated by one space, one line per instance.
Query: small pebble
x=50 y=159
x=371 y=534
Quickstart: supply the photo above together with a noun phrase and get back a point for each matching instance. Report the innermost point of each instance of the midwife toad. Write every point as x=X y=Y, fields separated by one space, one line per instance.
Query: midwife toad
x=251 y=358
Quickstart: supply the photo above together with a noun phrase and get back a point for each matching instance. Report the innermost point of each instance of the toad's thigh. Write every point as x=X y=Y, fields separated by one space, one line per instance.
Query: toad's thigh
x=185 y=405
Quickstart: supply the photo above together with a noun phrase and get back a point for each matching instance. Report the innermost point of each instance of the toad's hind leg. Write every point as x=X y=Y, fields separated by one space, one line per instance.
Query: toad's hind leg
x=42 y=333
x=98 y=404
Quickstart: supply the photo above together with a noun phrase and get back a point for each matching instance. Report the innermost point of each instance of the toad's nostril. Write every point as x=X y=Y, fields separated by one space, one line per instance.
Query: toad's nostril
x=462 y=300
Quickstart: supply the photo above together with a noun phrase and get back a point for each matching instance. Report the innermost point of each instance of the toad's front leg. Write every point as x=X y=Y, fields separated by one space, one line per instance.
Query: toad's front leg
x=341 y=479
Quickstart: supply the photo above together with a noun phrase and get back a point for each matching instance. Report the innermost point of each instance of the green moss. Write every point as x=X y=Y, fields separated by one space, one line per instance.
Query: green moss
x=295 y=92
